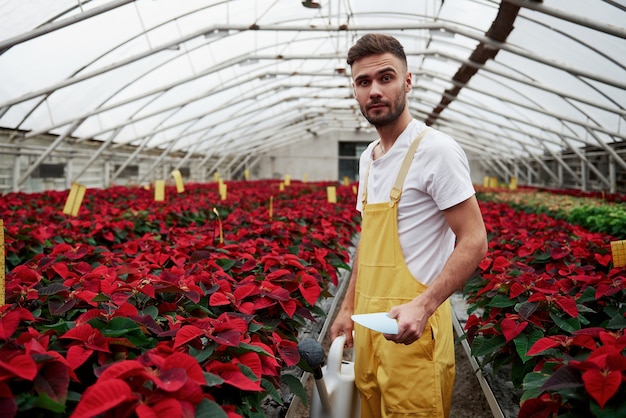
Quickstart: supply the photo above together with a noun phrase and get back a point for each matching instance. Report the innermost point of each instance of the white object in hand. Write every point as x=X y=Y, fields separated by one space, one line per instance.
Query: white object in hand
x=379 y=321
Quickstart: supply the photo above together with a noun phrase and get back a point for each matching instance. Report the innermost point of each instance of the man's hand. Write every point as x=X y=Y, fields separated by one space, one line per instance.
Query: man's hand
x=412 y=319
x=343 y=325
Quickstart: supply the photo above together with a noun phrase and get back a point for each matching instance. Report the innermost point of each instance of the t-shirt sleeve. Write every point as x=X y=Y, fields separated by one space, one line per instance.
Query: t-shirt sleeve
x=446 y=166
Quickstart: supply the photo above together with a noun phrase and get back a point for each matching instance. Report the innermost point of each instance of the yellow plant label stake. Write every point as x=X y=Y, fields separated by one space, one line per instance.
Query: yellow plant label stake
x=2 y=262
x=159 y=190
x=223 y=190
x=271 y=207
x=178 y=179
x=513 y=183
x=305 y=178
x=346 y=181
x=331 y=193
x=74 y=199
x=355 y=190
x=281 y=186
x=216 y=176
x=219 y=220
x=287 y=180
x=246 y=174
x=618 y=248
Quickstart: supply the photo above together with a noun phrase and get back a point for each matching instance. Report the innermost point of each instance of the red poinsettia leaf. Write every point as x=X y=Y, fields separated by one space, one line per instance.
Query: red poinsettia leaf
x=87 y=296
x=602 y=386
x=229 y=337
x=584 y=341
x=278 y=273
x=187 y=333
x=288 y=351
x=171 y=380
x=262 y=303
x=91 y=337
x=8 y=406
x=186 y=362
x=77 y=355
x=22 y=366
x=247 y=308
x=8 y=324
x=538 y=408
x=61 y=269
x=101 y=397
x=252 y=361
x=289 y=306
x=310 y=288
x=500 y=264
x=511 y=328
x=144 y=411
x=59 y=307
x=616 y=361
x=232 y=375
x=170 y=408
x=565 y=377
x=516 y=290
x=568 y=305
x=218 y=299
x=541 y=345
x=603 y=260
x=53 y=379
x=559 y=253
x=249 y=289
x=123 y=370
x=249 y=265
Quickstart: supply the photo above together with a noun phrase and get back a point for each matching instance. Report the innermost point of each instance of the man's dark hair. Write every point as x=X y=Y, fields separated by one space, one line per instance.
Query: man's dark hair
x=374 y=44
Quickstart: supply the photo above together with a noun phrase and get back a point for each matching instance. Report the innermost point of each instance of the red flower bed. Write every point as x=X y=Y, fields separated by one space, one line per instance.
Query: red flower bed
x=548 y=302
x=137 y=307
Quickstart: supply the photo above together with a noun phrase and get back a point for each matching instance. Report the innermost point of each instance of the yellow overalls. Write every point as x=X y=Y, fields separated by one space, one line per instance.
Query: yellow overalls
x=397 y=380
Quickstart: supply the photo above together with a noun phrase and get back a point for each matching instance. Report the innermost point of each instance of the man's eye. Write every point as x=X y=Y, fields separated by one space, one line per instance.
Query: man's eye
x=363 y=83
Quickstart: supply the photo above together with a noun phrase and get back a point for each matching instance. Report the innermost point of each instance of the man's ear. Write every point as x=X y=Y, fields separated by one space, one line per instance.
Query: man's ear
x=408 y=82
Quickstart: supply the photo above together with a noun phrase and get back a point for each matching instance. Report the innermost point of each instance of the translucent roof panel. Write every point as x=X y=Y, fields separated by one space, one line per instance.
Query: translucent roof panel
x=507 y=79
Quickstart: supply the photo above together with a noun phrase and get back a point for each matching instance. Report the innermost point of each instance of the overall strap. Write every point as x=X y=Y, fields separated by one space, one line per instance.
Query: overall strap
x=396 y=190
x=367 y=173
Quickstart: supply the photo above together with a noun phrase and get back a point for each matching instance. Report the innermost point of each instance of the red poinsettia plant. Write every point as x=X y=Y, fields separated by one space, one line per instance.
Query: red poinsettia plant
x=548 y=304
x=190 y=307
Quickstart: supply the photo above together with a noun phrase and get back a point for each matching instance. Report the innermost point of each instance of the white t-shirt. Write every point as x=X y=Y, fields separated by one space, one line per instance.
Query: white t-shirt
x=438 y=179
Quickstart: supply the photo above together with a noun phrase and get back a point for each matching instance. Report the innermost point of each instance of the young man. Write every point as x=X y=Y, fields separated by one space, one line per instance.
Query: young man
x=422 y=236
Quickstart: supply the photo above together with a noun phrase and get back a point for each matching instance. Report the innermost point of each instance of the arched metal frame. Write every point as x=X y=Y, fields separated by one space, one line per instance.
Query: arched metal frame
x=467 y=78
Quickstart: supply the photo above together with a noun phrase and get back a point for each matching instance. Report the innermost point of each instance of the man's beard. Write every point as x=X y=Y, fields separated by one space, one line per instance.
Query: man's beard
x=394 y=113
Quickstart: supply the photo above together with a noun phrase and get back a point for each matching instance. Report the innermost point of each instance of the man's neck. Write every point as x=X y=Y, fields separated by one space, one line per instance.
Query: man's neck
x=389 y=133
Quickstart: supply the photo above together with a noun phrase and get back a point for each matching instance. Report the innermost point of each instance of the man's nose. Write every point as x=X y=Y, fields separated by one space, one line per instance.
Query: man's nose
x=375 y=90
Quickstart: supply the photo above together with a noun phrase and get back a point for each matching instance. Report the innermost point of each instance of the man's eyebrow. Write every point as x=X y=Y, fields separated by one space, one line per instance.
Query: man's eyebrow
x=379 y=72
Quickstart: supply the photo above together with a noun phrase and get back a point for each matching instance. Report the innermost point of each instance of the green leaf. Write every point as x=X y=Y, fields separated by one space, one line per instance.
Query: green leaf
x=523 y=342
x=151 y=310
x=45 y=402
x=210 y=409
x=246 y=348
x=271 y=391
x=202 y=355
x=589 y=295
x=225 y=263
x=615 y=408
x=481 y=346
x=532 y=385
x=501 y=301
x=568 y=325
x=295 y=387
x=213 y=379
x=617 y=322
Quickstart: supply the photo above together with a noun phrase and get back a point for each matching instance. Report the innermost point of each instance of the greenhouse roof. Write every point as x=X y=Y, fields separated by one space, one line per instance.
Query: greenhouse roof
x=509 y=79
